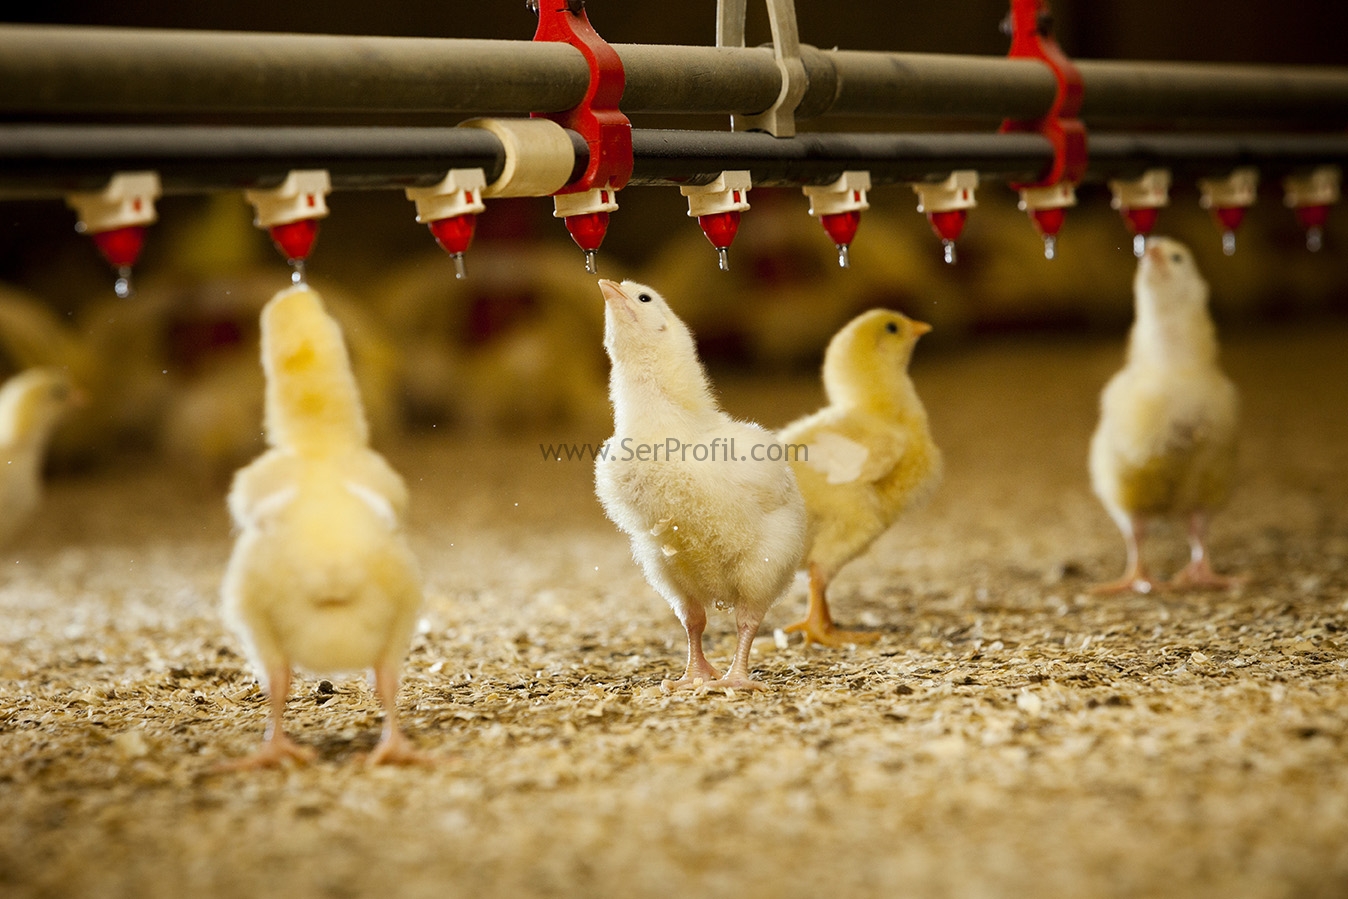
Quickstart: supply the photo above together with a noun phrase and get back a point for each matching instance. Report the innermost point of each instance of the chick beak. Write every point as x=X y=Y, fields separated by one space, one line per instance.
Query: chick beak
x=615 y=298
x=919 y=328
x=1155 y=254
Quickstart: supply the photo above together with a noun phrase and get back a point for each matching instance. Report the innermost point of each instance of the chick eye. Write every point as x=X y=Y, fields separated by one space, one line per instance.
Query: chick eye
x=60 y=392
x=1176 y=257
x=644 y=297
x=892 y=328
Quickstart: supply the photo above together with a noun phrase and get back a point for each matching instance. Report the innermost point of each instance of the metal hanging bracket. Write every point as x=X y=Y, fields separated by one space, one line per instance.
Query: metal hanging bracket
x=779 y=120
x=1030 y=25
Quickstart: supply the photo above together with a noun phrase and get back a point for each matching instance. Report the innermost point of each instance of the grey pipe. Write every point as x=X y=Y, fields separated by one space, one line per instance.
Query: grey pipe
x=65 y=71
x=1194 y=93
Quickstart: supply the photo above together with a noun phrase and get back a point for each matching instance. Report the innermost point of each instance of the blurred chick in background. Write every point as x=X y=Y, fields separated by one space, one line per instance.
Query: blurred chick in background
x=724 y=531
x=784 y=294
x=175 y=366
x=321 y=575
x=32 y=335
x=1012 y=286
x=1166 y=441
x=867 y=456
x=32 y=404
x=512 y=346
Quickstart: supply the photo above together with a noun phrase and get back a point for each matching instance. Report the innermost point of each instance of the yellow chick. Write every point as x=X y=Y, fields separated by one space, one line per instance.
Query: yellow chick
x=33 y=335
x=789 y=297
x=862 y=459
x=513 y=346
x=1166 y=442
x=710 y=505
x=205 y=342
x=31 y=406
x=321 y=574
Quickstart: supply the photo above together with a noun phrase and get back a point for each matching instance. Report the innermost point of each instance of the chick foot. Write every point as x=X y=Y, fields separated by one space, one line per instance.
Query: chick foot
x=275 y=752
x=1200 y=576
x=693 y=677
x=277 y=747
x=1135 y=575
x=396 y=749
x=736 y=681
x=1137 y=583
x=737 y=678
x=699 y=672
x=393 y=747
x=817 y=626
x=829 y=634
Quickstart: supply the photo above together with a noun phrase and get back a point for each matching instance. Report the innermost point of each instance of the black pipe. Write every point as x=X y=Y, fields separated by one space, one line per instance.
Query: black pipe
x=52 y=160
x=697 y=157
x=1197 y=155
x=38 y=160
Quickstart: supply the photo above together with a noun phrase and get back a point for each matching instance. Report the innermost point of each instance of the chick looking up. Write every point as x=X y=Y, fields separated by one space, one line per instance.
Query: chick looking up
x=31 y=406
x=1166 y=442
x=321 y=575
x=726 y=531
x=868 y=455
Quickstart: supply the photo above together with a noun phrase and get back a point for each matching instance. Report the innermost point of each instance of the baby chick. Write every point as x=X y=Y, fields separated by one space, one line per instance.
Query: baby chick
x=514 y=346
x=1166 y=442
x=712 y=521
x=321 y=575
x=33 y=334
x=867 y=456
x=31 y=406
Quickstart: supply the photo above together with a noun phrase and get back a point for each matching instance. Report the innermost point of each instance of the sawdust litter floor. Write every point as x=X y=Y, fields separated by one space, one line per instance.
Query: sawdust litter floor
x=1008 y=735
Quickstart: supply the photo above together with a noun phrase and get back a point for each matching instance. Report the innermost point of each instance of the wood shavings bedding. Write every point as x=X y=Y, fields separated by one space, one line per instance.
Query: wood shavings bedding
x=1008 y=735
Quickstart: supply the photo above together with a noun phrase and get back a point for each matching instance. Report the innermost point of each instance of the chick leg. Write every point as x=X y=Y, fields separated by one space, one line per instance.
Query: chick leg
x=394 y=748
x=737 y=678
x=1135 y=576
x=818 y=626
x=1198 y=573
x=699 y=669
x=276 y=747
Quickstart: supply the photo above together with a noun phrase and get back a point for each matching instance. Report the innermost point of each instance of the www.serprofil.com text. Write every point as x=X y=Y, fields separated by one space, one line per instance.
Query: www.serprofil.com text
x=671 y=449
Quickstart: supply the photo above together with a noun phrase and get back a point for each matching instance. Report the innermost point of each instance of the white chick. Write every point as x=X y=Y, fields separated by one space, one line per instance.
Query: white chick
x=712 y=521
x=31 y=406
x=1166 y=442
x=866 y=457
x=321 y=575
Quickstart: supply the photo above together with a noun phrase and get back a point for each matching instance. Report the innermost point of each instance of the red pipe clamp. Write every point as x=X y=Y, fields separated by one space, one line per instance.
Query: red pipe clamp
x=586 y=202
x=1031 y=29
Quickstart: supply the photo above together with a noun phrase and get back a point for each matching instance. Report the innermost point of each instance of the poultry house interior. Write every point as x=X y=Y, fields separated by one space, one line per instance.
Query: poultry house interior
x=993 y=725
